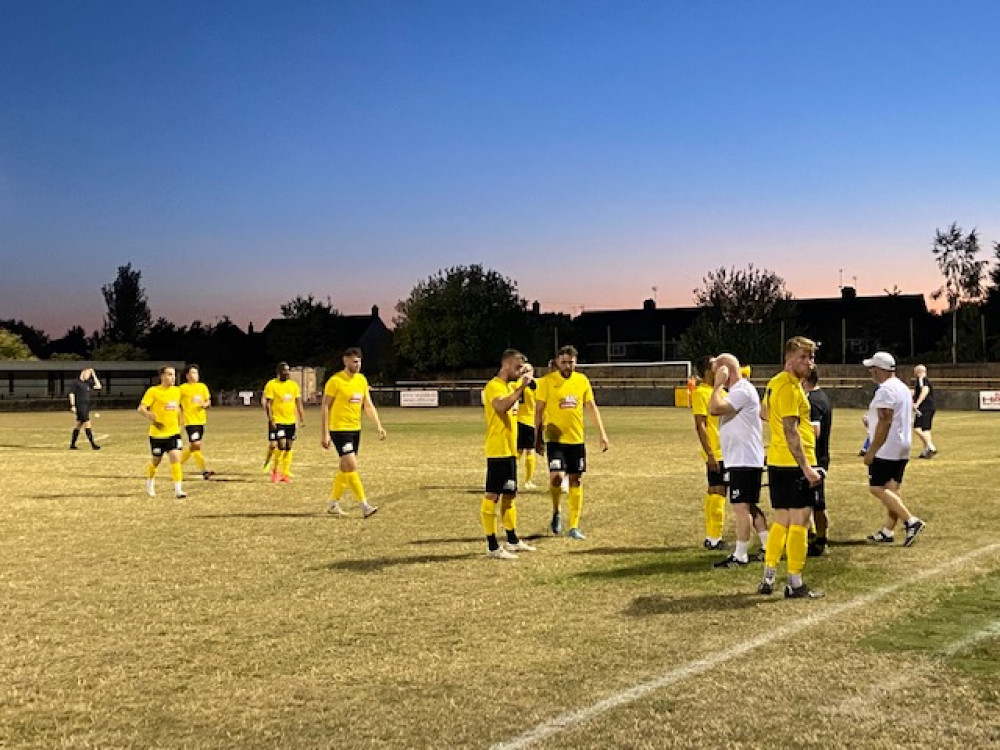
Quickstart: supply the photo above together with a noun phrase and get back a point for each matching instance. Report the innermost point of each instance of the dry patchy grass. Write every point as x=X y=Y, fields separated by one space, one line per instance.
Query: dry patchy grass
x=245 y=617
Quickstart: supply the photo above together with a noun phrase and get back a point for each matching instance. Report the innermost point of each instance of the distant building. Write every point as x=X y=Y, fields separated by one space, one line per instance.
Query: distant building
x=848 y=326
x=50 y=379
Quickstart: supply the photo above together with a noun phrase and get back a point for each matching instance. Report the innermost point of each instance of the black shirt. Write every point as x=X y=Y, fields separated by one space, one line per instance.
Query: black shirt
x=821 y=410
x=928 y=403
x=81 y=390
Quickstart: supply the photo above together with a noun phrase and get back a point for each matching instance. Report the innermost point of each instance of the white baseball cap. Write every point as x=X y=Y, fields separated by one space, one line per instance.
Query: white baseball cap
x=881 y=360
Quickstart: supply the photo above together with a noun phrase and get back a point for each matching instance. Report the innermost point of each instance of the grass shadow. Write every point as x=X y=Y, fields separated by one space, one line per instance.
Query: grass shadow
x=605 y=551
x=664 y=567
x=373 y=565
x=646 y=606
x=79 y=496
x=849 y=543
x=274 y=514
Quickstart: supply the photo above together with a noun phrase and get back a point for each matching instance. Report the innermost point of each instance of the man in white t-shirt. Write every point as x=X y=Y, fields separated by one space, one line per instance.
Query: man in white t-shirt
x=742 y=445
x=890 y=416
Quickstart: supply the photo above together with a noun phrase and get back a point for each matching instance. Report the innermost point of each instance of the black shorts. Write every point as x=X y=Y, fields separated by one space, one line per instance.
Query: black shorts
x=716 y=478
x=882 y=471
x=925 y=420
x=525 y=437
x=346 y=441
x=567 y=457
x=744 y=484
x=824 y=464
x=789 y=489
x=195 y=432
x=82 y=413
x=501 y=476
x=159 y=446
x=284 y=432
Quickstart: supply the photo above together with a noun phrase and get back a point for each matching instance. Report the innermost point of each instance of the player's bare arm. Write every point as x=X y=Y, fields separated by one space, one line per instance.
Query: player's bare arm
x=790 y=426
x=701 y=429
x=324 y=438
x=372 y=413
x=595 y=414
x=881 y=434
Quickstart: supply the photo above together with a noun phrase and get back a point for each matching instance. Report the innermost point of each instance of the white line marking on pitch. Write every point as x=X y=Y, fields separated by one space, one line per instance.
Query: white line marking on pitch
x=868 y=701
x=571 y=719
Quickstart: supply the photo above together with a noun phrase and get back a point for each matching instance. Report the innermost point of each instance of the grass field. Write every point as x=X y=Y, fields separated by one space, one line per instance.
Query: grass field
x=245 y=617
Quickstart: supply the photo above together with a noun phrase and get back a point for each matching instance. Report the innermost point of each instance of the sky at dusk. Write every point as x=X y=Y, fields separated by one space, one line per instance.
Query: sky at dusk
x=240 y=153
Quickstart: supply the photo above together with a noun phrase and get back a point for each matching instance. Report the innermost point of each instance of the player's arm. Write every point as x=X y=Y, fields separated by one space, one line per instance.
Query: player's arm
x=790 y=426
x=539 y=425
x=300 y=411
x=701 y=429
x=718 y=404
x=72 y=400
x=503 y=404
x=324 y=438
x=208 y=399
x=372 y=413
x=595 y=414
x=145 y=411
x=881 y=433
x=97 y=381
x=924 y=391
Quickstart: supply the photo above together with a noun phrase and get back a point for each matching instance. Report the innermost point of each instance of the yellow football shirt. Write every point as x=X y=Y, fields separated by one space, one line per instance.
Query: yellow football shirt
x=194 y=398
x=501 y=429
x=785 y=397
x=282 y=395
x=526 y=407
x=348 y=393
x=164 y=402
x=699 y=406
x=564 y=399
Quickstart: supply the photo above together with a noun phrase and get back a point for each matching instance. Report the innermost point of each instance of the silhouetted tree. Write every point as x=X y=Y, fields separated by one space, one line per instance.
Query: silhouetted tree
x=128 y=319
x=955 y=254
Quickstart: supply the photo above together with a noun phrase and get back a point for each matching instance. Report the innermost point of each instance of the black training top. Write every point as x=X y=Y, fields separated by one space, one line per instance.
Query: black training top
x=928 y=403
x=81 y=390
x=821 y=410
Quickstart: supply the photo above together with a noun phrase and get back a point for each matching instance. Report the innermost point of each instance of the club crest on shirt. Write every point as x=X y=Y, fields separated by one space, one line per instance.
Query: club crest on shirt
x=357 y=398
x=568 y=402
x=286 y=397
x=171 y=406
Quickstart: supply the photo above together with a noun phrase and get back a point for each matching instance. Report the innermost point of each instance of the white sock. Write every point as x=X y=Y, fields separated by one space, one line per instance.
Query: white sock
x=178 y=489
x=741 y=551
x=763 y=538
x=794 y=580
x=886 y=532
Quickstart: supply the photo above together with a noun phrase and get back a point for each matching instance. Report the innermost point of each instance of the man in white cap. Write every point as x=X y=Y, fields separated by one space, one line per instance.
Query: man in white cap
x=889 y=418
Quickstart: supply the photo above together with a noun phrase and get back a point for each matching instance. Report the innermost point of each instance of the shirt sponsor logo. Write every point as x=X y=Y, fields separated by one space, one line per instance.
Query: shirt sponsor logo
x=357 y=398
x=568 y=402
x=171 y=406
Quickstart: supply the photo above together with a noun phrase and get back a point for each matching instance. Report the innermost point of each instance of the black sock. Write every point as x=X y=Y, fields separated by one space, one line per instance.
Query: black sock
x=90 y=435
x=512 y=536
x=492 y=542
x=76 y=434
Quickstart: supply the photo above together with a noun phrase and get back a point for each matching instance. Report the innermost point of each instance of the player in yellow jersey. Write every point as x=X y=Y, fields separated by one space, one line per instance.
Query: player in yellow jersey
x=501 y=397
x=794 y=480
x=161 y=405
x=283 y=404
x=526 y=427
x=706 y=426
x=195 y=399
x=344 y=396
x=559 y=403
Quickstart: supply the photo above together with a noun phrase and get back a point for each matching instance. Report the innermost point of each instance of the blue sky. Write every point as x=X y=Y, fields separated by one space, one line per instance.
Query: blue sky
x=240 y=153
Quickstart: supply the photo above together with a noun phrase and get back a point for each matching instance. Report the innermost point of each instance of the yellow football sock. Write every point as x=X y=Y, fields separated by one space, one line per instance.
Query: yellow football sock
x=555 y=493
x=796 y=548
x=199 y=460
x=353 y=480
x=716 y=522
x=338 y=486
x=706 y=506
x=286 y=462
x=775 y=545
x=176 y=472
x=279 y=459
x=151 y=470
x=488 y=516
x=510 y=518
x=575 y=506
x=185 y=455
x=270 y=453
x=529 y=467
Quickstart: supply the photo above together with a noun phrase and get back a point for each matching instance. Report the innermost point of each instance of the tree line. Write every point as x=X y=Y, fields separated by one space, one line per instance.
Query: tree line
x=461 y=317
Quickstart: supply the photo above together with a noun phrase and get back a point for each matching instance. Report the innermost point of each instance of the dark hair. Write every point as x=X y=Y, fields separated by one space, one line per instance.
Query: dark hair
x=813 y=377
x=703 y=365
x=508 y=353
x=280 y=365
x=164 y=368
x=568 y=349
x=354 y=351
x=186 y=370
